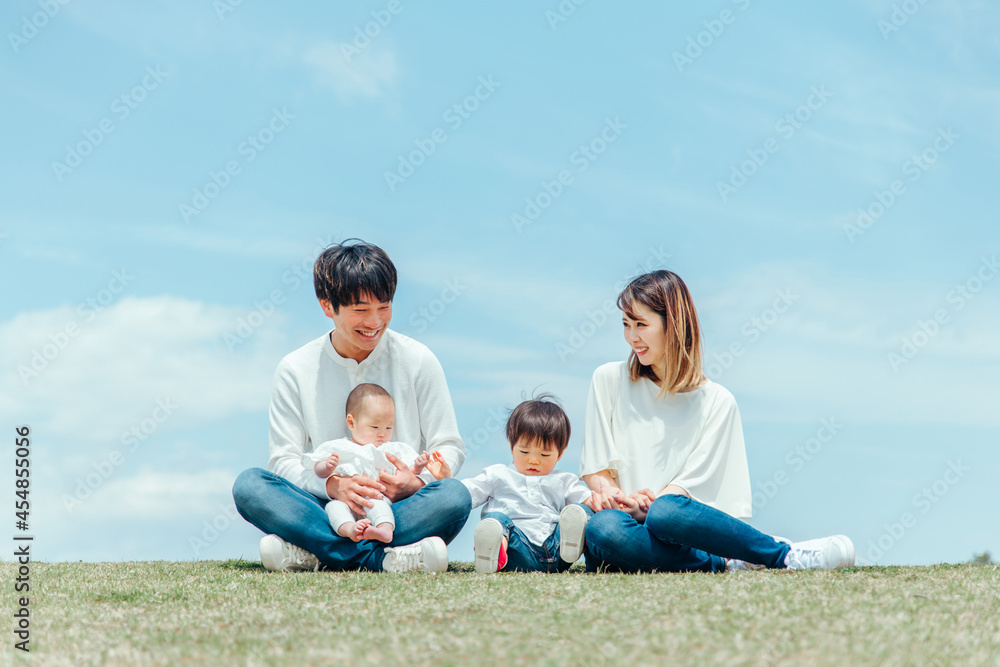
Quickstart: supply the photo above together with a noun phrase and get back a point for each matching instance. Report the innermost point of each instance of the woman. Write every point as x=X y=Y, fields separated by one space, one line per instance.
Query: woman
x=663 y=454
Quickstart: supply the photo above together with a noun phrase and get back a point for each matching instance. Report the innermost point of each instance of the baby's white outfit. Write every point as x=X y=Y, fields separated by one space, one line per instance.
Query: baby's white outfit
x=365 y=460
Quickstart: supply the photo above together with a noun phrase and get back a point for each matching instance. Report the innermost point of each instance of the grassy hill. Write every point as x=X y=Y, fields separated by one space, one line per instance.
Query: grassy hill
x=233 y=612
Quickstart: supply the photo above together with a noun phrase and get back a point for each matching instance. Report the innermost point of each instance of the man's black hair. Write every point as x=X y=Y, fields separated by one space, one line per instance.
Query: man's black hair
x=346 y=272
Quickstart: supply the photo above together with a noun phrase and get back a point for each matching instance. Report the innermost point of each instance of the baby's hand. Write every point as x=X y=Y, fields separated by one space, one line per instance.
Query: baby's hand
x=420 y=463
x=326 y=468
x=438 y=466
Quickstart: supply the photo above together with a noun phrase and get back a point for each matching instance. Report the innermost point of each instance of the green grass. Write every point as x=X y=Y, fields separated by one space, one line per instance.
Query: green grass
x=233 y=612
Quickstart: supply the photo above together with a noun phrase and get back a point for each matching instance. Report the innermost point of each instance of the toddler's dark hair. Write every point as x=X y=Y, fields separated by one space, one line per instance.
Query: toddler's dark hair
x=541 y=419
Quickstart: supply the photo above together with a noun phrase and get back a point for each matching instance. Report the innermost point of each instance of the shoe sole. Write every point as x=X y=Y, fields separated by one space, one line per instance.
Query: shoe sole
x=572 y=533
x=487 y=542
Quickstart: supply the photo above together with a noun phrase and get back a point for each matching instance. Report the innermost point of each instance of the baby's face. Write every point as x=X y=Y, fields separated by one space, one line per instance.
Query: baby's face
x=531 y=458
x=373 y=423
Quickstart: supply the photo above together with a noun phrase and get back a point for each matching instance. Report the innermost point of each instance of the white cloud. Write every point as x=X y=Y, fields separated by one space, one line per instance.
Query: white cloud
x=158 y=495
x=365 y=75
x=121 y=360
x=830 y=349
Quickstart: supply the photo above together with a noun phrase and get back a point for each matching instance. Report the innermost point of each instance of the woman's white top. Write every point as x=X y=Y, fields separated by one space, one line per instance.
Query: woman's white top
x=532 y=502
x=365 y=460
x=692 y=439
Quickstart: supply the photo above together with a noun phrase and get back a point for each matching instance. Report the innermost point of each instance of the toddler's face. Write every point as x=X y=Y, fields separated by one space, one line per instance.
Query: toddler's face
x=373 y=423
x=530 y=458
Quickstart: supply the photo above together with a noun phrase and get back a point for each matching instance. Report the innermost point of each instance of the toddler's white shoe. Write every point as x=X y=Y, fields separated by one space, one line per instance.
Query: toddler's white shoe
x=278 y=555
x=488 y=546
x=825 y=553
x=572 y=532
x=428 y=555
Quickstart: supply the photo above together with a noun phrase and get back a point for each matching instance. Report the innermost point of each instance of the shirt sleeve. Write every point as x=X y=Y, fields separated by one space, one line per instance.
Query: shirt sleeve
x=481 y=487
x=438 y=426
x=287 y=436
x=577 y=491
x=599 y=451
x=716 y=471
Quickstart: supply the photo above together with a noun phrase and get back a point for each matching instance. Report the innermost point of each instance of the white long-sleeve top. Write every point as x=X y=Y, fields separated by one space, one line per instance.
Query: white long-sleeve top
x=533 y=502
x=365 y=460
x=310 y=391
x=692 y=439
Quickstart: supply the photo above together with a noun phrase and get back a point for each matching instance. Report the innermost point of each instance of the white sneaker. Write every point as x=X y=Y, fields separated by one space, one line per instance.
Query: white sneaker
x=488 y=546
x=278 y=555
x=428 y=555
x=826 y=553
x=572 y=532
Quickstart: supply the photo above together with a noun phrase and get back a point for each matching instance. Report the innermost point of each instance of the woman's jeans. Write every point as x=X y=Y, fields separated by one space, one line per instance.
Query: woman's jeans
x=525 y=556
x=277 y=506
x=679 y=535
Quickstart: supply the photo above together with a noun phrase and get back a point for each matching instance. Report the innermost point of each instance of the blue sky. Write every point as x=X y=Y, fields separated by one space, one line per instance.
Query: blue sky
x=819 y=176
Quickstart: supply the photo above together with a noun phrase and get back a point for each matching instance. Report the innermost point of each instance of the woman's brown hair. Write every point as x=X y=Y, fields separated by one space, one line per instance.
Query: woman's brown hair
x=665 y=294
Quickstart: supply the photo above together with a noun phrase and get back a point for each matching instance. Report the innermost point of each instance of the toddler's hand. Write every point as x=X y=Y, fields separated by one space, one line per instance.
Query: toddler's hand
x=438 y=466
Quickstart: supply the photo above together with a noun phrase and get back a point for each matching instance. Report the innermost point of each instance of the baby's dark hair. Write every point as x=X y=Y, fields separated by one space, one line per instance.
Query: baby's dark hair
x=541 y=419
x=358 y=395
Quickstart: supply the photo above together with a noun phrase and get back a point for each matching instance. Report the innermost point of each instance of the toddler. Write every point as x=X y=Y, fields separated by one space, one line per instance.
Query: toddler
x=531 y=521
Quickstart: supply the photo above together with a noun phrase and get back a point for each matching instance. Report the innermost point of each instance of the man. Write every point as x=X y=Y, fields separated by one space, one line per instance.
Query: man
x=355 y=284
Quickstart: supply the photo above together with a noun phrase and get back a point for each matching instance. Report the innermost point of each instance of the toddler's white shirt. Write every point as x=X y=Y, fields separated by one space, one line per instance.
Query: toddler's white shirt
x=533 y=502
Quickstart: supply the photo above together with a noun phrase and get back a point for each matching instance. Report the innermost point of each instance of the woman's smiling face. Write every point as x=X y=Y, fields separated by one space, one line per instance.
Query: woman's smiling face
x=647 y=337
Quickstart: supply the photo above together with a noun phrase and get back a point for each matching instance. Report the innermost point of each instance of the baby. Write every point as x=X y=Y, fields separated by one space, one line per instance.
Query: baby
x=532 y=517
x=371 y=413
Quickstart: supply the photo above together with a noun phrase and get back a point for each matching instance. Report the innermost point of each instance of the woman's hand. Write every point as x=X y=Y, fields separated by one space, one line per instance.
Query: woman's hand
x=604 y=498
x=645 y=498
x=355 y=491
x=633 y=506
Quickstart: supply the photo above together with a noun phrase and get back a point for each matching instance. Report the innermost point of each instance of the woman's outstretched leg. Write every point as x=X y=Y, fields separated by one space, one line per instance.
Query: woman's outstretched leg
x=679 y=520
x=617 y=541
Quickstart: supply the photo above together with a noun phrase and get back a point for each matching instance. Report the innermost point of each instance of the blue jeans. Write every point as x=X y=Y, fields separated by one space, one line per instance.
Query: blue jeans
x=679 y=535
x=277 y=506
x=525 y=556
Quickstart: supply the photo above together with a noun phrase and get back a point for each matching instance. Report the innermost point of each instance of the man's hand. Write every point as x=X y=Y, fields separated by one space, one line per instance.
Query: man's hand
x=400 y=485
x=355 y=491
